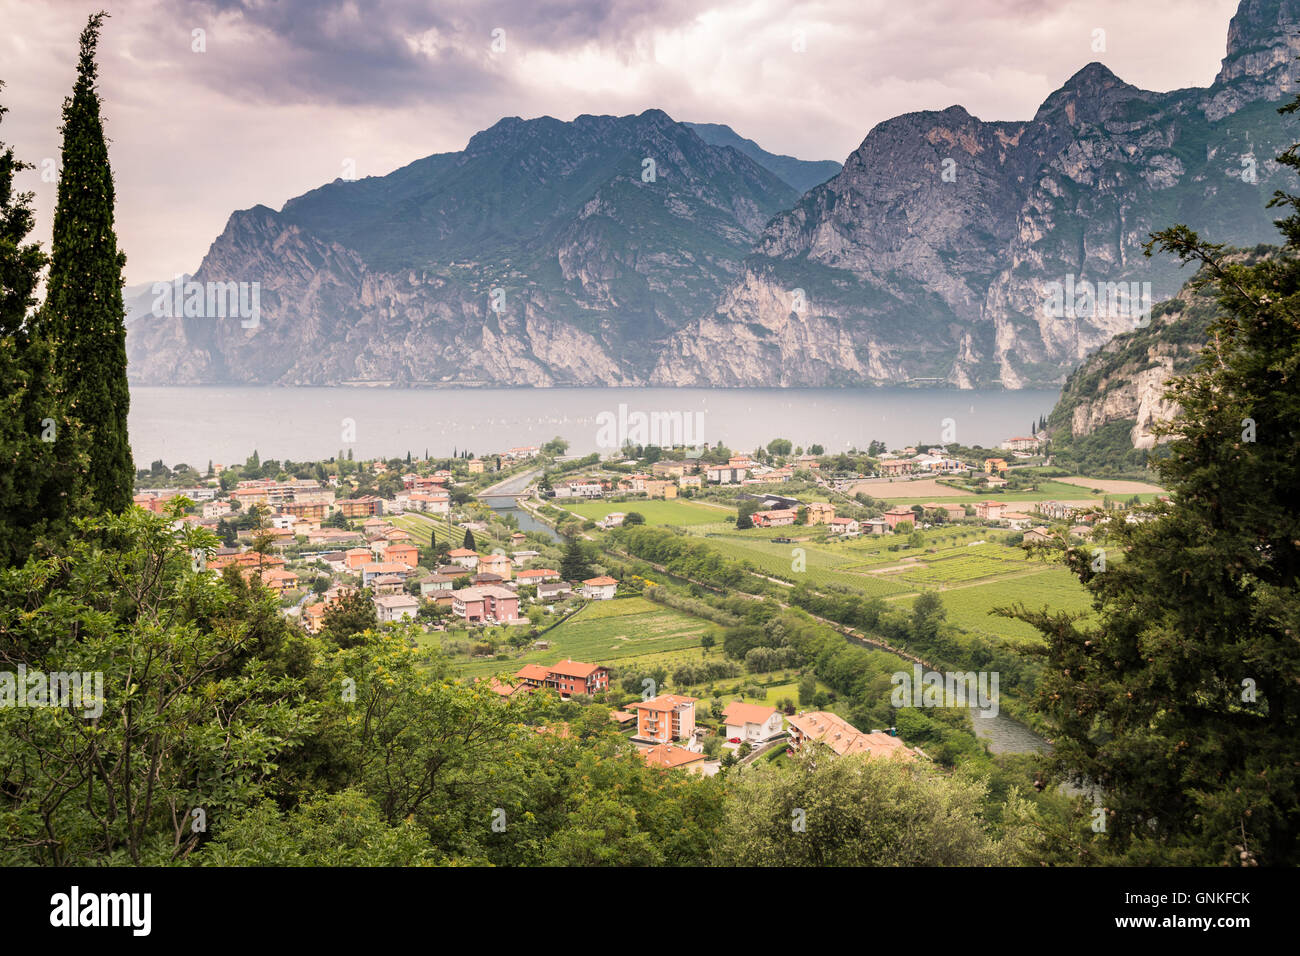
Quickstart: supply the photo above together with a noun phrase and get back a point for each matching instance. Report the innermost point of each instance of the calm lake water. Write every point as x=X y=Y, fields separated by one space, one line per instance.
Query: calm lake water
x=225 y=425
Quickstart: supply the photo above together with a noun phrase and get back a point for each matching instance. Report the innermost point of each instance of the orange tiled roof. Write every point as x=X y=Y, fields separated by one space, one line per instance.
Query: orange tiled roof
x=738 y=713
x=663 y=702
x=571 y=668
x=666 y=755
x=843 y=738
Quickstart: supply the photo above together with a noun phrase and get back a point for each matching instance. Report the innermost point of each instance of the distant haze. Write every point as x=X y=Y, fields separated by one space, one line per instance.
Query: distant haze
x=225 y=425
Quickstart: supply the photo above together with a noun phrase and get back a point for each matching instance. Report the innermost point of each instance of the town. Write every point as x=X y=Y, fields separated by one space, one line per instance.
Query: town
x=510 y=561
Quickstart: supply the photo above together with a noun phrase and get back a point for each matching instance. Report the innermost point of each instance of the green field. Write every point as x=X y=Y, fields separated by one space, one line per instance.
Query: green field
x=420 y=528
x=1047 y=491
x=969 y=607
x=821 y=564
x=605 y=632
x=970 y=567
x=675 y=512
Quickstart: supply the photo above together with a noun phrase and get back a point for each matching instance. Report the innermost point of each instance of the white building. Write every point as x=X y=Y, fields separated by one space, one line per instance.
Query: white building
x=599 y=589
x=395 y=607
x=429 y=502
x=752 y=723
x=579 y=489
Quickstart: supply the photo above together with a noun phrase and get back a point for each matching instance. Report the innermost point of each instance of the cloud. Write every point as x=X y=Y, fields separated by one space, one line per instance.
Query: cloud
x=286 y=90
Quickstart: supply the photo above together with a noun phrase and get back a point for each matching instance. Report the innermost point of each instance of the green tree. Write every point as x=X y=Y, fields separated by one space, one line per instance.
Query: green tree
x=83 y=315
x=928 y=615
x=348 y=618
x=40 y=456
x=859 y=811
x=1181 y=700
x=468 y=544
x=744 y=513
x=338 y=829
x=634 y=518
x=807 y=689
x=574 y=565
x=198 y=699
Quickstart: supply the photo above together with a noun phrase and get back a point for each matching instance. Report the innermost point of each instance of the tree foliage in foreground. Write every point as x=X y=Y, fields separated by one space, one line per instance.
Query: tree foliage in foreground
x=1180 y=701
x=859 y=811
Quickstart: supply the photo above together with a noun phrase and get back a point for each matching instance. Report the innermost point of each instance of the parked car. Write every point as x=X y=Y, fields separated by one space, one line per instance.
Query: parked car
x=734 y=740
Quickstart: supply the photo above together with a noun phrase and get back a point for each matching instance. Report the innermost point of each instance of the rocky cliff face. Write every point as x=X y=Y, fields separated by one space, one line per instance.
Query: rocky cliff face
x=936 y=251
x=1111 y=405
x=545 y=253
x=628 y=250
x=1137 y=396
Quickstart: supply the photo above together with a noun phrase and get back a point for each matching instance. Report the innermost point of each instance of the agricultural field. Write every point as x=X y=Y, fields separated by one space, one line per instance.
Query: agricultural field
x=606 y=632
x=972 y=568
x=821 y=564
x=1115 y=486
x=969 y=607
x=675 y=512
x=899 y=494
x=420 y=528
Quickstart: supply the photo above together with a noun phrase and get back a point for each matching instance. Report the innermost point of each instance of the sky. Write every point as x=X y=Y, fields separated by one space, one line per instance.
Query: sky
x=216 y=105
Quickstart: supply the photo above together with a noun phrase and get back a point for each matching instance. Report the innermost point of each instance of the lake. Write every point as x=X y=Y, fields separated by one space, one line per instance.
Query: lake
x=198 y=424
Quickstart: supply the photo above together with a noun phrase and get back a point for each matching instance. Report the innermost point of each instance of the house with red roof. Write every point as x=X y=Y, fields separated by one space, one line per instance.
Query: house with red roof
x=664 y=719
x=752 y=723
x=537 y=576
x=896 y=516
x=466 y=558
x=599 y=589
x=671 y=757
x=775 y=518
x=840 y=737
x=568 y=677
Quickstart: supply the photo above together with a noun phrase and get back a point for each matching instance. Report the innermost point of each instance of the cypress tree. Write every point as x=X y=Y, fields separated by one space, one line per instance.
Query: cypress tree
x=83 y=316
x=573 y=565
x=39 y=446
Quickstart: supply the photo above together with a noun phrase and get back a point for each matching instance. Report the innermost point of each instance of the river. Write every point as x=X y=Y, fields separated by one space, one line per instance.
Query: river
x=225 y=425
x=1007 y=736
x=500 y=497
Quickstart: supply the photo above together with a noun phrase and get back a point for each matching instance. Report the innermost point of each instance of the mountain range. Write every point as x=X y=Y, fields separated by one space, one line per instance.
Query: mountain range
x=639 y=250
